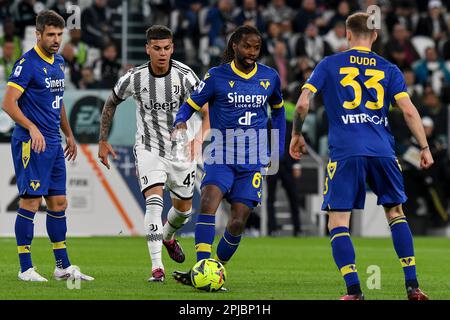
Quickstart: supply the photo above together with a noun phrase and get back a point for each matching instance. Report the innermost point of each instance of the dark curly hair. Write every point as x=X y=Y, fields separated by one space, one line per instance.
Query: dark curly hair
x=236 y=37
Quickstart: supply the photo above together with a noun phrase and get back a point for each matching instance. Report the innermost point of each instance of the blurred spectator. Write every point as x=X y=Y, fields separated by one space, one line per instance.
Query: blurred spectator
x=437 y=112
x=73 y=66
x=398 y=56
x=343 y=11
x=80 y=48
x=312 y=44
x=432 y=70
x=445 y=52
x=159 y=11
x=277 y=11
x=279 y=60
x=5 y=9
x=96 y=28
x=433 y=25
x=415 y=90
x=250 y=15
x=25 y=15
x=9 y=34
x=7 y=60
x=427 y=187
x=336 y=37
x=302 y=68
x=220 y=20
x=273 y=34
x=106 y=69
x=403 y=13
x=87 y=80
x=397 y=122
x=289 y=172
x=308 y=14
x=189 y=26
x=60 y=7
x=400 y=43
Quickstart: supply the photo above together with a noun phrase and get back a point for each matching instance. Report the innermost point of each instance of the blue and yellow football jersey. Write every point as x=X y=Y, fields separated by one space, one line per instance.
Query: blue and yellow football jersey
x=239 y=101
x=41 y=81
x=358 y=87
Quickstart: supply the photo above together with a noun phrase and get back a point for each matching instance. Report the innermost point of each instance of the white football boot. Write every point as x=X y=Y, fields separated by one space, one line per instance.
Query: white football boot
x=31 y=275
x=70 y=272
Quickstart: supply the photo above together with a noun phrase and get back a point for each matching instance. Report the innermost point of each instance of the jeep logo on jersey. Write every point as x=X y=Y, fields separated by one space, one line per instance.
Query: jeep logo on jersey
x=246 y=120
x=166 y=106
x=85 y=119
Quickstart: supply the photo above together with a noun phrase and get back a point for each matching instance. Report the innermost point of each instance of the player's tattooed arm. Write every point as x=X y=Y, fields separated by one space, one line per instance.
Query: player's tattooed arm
x=298 y=146
x=109 y=109
x=301 y=110
x=298 y=123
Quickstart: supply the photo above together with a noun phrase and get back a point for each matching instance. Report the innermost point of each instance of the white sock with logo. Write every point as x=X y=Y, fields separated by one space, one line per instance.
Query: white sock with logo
x=153 y=229
x=175 y=220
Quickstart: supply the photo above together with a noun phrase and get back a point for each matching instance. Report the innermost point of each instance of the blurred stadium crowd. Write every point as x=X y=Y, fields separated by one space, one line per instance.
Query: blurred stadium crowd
x=415 y=35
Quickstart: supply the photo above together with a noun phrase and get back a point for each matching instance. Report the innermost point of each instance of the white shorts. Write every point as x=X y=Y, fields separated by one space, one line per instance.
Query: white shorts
x=153 y=170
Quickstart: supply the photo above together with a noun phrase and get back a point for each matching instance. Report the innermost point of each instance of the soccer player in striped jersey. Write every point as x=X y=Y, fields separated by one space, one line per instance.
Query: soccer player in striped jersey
x=159 y=87
x=358 y=88
x=34 y=100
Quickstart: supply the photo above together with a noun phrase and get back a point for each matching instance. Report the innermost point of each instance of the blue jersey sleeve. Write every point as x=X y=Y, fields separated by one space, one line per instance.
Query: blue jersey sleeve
x=316 y=81
x=276 y=99
x=203 y=93
x=397 y=85
x=21 y=75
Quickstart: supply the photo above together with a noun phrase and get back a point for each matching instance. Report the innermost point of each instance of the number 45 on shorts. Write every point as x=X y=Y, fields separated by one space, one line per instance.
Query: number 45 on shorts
x=190 y=179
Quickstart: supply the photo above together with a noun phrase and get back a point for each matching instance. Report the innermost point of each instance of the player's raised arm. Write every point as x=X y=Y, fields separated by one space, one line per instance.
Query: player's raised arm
x=12 y=94
x=298 y=145
x=414 y=122
x=70 y=151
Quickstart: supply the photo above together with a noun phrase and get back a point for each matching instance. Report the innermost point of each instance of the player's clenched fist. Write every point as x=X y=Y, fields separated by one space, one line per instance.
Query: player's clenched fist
x=297 y=147
x=104 y=149
x=426 y=159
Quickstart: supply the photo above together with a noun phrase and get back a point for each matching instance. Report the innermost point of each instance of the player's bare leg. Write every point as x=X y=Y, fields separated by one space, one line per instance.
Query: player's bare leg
x=204 y=229
x=231 y=238
x=177 y=217
x=154 y=230
x=344 y=253
x=24 y=230
x=404 y=246
x=56 y=229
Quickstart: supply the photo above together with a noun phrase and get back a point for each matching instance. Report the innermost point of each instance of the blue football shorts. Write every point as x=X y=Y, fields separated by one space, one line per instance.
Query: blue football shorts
x=39 y=174
x=237 y=185
x=345 y=182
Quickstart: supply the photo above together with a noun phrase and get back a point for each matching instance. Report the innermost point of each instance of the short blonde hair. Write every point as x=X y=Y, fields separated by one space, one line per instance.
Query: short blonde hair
x=357 y=24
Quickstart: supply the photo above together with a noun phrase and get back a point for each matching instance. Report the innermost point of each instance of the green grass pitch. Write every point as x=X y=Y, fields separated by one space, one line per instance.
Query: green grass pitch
x=262 y=268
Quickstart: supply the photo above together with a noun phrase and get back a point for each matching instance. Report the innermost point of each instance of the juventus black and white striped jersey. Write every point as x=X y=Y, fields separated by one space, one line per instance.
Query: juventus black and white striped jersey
x=158 y=99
